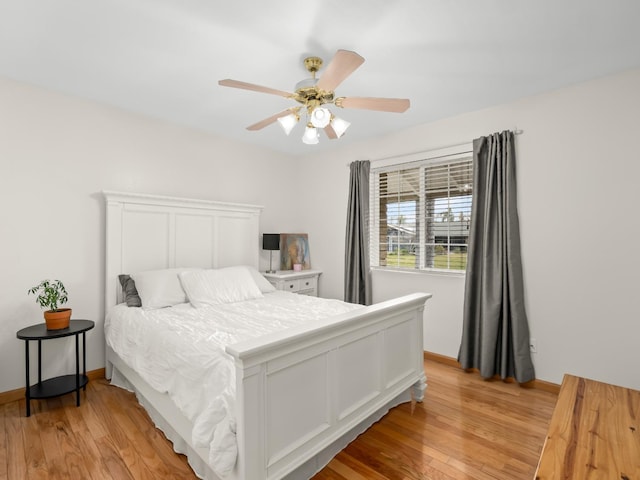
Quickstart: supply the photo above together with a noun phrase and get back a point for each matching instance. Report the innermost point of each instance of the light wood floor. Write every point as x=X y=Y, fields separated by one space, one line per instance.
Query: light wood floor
x=466 y=428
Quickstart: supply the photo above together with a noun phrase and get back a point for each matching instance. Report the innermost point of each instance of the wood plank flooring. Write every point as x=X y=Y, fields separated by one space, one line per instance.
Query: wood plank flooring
x=466 y=428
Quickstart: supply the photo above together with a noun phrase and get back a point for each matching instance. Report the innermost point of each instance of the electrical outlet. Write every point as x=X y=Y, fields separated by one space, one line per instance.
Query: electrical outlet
x=533 y=345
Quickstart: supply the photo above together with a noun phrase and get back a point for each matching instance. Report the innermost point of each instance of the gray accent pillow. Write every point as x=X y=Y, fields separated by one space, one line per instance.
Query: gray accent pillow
x=129 y=291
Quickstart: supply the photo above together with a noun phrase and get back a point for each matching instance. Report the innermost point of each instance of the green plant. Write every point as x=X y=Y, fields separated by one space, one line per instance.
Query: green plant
x=50 y=294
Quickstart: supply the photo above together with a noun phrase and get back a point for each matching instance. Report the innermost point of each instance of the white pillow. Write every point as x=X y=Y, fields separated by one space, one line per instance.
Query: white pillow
x=222 y=285
x=160 y=288
x=262 y=283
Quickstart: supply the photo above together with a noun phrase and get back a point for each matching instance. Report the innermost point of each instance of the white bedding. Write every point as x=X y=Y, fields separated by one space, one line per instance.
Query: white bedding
x=180 y=350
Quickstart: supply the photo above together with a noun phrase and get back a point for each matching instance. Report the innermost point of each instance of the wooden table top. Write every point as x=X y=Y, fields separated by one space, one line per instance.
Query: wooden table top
x=594 y=433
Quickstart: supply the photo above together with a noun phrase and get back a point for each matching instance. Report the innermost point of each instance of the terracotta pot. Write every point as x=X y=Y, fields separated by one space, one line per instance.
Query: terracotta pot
x=57 y=320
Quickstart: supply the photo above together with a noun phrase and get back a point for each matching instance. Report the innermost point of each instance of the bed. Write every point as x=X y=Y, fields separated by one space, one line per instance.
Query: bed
x=302 y=393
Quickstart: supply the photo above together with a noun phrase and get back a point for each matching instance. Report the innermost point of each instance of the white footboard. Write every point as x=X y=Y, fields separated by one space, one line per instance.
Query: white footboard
x=297 y=393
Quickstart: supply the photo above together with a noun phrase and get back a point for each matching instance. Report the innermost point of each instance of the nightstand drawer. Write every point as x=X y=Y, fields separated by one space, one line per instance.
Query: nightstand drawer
x=291 y=285
x=308 y=284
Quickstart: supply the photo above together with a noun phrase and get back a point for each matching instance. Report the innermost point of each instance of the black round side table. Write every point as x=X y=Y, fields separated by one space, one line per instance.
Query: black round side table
x=61 y=385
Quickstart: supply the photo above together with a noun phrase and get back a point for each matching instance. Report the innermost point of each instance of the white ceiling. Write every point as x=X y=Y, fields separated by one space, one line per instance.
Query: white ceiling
x=163 y=58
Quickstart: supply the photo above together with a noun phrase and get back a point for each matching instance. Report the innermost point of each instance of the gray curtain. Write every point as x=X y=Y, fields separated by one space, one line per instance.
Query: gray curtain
x=357 y=278
x=495 y=337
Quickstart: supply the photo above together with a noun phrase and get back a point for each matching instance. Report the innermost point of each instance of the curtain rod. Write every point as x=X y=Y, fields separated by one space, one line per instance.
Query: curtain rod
x=515 y=132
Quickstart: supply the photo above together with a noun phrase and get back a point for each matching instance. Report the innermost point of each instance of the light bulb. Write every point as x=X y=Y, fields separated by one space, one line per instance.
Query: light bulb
x=320 y=117
x=339 y=126
x=288 y=122
x=310 y=136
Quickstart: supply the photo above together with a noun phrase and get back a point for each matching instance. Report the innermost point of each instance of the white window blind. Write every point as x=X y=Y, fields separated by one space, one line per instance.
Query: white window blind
x=421 y=213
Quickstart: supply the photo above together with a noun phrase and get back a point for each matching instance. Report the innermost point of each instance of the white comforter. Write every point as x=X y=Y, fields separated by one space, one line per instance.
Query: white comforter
x=180 y=350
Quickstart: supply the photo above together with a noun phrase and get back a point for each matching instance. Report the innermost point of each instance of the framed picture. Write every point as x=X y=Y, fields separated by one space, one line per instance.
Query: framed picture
x=294 y=250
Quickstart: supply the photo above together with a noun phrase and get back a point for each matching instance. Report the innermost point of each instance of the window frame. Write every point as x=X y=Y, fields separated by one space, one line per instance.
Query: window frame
x=457 y=154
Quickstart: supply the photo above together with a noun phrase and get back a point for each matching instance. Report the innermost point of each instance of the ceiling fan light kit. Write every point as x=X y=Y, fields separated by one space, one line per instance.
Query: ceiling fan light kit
x=313 y=93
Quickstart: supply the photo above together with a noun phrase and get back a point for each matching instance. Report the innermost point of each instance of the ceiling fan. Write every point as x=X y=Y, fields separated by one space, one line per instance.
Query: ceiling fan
x=313 y=93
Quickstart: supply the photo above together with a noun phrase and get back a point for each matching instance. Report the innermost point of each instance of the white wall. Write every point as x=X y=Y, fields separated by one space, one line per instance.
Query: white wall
x=578 y=170
x=57 y=153
x=578 y=166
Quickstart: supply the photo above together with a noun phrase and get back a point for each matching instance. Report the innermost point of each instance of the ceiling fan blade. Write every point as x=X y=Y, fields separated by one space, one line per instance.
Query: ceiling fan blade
x=268 y=121
x=343 y=64
x=250 y=86
x=397 y=105
x=331 y=133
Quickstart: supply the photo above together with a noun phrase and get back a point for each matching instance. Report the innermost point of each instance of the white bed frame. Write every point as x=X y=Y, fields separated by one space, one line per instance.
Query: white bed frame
x=303 y=394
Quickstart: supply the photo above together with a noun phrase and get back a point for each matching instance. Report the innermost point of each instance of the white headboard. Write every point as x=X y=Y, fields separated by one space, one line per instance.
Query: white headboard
x=149 y=232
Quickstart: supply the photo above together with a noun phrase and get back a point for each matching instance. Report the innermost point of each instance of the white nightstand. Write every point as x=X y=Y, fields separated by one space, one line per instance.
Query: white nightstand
x=304 y=282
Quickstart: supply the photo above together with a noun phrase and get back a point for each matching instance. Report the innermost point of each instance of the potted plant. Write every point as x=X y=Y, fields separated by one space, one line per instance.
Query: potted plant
x=51 y=294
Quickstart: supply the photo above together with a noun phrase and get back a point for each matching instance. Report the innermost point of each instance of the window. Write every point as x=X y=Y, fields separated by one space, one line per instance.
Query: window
x=421 y=213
